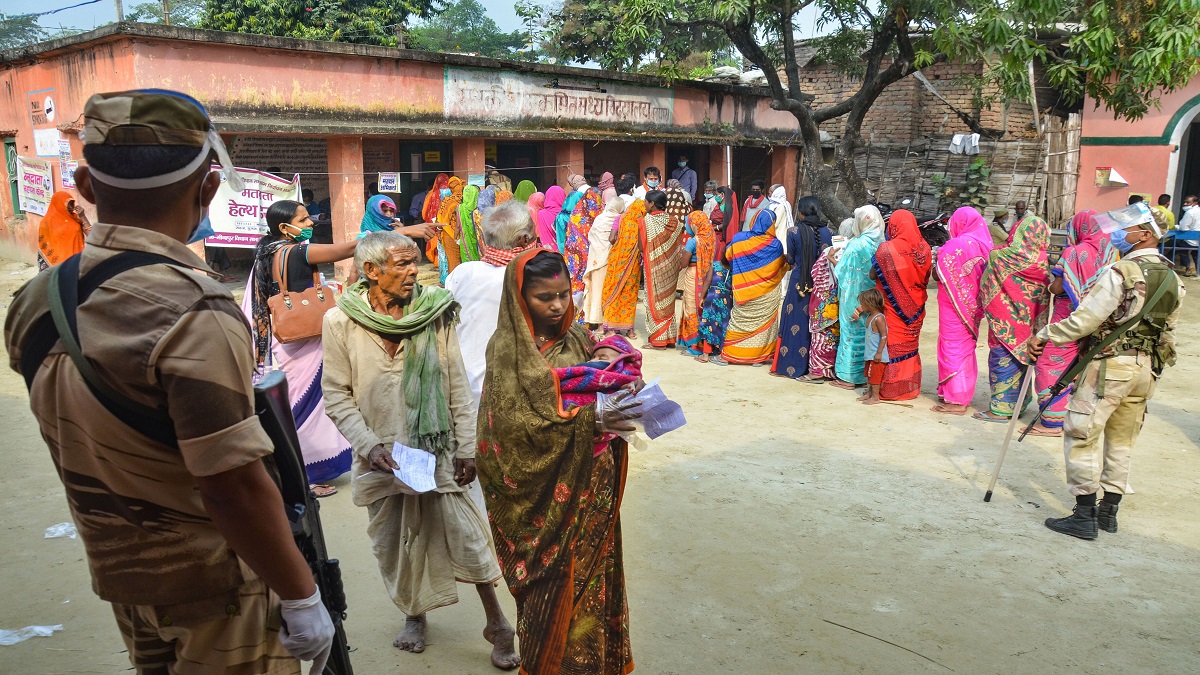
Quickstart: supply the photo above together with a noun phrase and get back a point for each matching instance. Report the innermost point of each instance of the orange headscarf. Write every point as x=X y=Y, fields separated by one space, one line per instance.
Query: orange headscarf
x=60 y=234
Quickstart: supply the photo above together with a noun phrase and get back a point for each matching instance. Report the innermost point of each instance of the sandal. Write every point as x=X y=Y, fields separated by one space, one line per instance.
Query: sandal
x=320 y=491
x=987 y=416
x=718 y=361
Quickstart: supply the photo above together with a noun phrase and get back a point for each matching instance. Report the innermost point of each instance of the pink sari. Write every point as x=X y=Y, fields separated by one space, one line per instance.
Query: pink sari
x=1088 y=253
x=960 y=265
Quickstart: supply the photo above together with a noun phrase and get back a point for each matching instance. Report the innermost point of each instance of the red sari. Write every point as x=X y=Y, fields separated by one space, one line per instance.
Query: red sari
x=902 y=266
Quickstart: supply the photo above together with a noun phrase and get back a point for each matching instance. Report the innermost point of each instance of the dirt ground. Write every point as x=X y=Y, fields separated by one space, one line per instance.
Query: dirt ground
x=785 y=529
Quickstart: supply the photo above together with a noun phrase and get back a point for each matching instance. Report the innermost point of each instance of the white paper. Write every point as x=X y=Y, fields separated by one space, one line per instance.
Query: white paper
x=659 y=413
x=1114 y=177
x=416 y=468
x=12 y=637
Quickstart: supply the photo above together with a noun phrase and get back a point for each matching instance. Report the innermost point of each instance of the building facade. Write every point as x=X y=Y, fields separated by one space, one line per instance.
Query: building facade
x=338 y=114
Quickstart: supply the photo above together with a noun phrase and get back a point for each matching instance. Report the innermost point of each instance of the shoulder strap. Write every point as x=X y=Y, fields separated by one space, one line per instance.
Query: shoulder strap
x=67 y=292
x=279 y=268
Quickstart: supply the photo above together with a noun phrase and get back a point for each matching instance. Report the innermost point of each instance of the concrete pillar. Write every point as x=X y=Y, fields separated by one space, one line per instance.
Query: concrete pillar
x=468 y=157
x=568 y=158
x=655 y=154
x=719 y=157
x=347 y=192
x=783 y=169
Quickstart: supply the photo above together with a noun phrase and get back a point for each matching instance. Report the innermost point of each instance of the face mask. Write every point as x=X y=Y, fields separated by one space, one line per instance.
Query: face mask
x=304 y=235
x=756 y=193
x=445 y=192
x=652 y=183
x=682 y=164
x=720 y=199
x=203 y=228
x=1118 y=240
x=708 y=195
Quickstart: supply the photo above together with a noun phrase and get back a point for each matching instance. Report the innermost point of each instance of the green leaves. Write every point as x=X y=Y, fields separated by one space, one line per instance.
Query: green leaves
x=361 y=21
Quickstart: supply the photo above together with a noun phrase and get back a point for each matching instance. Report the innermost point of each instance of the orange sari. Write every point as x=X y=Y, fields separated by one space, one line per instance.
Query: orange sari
x=624 y=274
x=60 y=234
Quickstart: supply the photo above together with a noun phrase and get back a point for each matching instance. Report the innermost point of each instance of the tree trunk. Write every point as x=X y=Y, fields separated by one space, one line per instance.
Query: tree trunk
x=818 y=175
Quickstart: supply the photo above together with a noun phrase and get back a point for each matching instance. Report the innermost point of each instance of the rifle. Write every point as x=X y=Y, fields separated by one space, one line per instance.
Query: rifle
x=303 y=512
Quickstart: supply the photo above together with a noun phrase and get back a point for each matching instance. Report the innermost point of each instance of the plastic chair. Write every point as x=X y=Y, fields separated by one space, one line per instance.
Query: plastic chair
x=1171 y=241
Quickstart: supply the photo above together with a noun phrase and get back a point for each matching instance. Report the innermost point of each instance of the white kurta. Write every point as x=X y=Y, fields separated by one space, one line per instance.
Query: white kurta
x=423 y=543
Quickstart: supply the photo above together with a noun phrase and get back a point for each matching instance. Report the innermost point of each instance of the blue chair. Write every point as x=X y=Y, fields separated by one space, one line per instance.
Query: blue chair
x=1171 y=241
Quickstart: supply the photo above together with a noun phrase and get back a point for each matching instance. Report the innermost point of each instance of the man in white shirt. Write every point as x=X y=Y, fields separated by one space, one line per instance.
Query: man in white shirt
x=1188 y=222
x=653 y=181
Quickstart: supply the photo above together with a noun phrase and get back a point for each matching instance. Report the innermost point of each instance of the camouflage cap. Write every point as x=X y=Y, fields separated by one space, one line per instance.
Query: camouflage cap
x=145 y=117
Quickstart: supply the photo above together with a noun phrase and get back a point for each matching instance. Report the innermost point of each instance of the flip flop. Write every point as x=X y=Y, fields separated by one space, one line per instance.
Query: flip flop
x=1052 y=433
x=702 y=358
x=807 y=379
x=983 y=417
x=320 y=491
x=940 y=408
x=718 y=361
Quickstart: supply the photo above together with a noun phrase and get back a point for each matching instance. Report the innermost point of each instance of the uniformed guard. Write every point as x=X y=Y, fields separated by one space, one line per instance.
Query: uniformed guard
x=1126 y=323
x=138 y=366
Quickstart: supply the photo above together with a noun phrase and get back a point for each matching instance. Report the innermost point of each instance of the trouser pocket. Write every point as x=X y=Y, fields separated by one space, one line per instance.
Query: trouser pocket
x=1080 y=414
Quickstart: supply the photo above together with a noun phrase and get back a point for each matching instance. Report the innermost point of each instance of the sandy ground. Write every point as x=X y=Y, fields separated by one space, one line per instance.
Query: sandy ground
x=785 y=529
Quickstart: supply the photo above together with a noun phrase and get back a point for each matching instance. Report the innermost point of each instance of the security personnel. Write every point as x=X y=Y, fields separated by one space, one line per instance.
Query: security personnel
x=141 y=386
x=1110 y=395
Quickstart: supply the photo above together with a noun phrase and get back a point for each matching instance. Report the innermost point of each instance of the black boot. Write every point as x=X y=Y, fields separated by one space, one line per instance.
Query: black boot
x=1106 y=517
x=1081 y=523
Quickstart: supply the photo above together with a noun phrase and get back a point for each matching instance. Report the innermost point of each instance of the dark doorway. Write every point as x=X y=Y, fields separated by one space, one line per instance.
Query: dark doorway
x=420 y=162
x=1189 y=165
x=519 y=161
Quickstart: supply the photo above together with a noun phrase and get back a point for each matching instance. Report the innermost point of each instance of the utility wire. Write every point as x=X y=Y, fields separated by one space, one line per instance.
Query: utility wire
x=52 y=11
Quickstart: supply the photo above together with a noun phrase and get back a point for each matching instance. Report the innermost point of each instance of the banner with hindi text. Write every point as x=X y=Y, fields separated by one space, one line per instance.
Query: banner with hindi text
x=238 y=218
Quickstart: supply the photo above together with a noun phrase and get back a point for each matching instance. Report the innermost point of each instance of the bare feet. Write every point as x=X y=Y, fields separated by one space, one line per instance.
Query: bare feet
x=871 y=400
x=654 y=347
x=842 y=384
x=320 y=491
x=1040 y=429
x=863 y=397
x=503 y=640
x=950 y=409
x=703 y=358
x=412 y=638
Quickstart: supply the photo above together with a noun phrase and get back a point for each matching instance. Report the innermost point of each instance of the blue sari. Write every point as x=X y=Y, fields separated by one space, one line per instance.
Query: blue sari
x=853 y=277
x=563 y=220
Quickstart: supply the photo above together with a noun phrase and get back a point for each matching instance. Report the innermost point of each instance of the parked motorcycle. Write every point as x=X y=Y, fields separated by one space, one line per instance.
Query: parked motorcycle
x=934 y=227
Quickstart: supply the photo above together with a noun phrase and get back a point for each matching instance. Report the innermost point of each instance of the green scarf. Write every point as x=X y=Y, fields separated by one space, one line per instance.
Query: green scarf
x=424 y=394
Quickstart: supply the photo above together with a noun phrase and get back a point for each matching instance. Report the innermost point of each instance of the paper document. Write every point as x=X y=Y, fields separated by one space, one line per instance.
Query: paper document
x=416 y=468
x=659 y=413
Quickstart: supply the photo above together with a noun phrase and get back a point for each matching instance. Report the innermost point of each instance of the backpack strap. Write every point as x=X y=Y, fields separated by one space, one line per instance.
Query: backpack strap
x=67 y=292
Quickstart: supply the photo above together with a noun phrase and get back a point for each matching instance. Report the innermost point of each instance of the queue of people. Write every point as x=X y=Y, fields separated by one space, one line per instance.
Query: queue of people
x=519 y=373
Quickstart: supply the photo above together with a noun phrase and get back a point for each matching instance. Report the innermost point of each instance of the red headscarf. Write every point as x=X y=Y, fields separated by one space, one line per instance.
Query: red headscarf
x=902 y=263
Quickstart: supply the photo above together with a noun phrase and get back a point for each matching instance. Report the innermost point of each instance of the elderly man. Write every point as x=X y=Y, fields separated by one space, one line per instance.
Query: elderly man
x=393 y=374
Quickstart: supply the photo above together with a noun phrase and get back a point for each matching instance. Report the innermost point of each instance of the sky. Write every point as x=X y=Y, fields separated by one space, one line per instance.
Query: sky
x=100 y=13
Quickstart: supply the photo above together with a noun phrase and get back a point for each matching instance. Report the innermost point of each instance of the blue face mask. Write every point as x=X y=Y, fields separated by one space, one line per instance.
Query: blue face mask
x=652 y=183
x=708 y=195
x=445 y=192
x=682 y=164
x=204 y=228
x=1117 y=238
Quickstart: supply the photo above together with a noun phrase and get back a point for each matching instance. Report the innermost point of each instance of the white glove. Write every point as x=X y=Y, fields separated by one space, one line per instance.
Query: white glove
x=613 y=412
x=307 y=631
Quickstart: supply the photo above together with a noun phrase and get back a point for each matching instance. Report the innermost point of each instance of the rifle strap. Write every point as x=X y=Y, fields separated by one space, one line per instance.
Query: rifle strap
x=1084 y=359
x=67 y=291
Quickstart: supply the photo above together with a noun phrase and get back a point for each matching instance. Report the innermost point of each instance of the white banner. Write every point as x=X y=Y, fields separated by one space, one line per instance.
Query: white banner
x=388 y=182
x=238 y=217
x=35 y=183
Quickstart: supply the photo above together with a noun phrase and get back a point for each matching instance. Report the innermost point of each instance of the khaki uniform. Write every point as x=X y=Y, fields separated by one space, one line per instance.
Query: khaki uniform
x=173 y=338
x=1110 y=398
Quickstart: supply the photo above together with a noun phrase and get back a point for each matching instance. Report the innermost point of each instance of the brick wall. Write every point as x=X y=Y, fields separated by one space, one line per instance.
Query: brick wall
x=907 y=112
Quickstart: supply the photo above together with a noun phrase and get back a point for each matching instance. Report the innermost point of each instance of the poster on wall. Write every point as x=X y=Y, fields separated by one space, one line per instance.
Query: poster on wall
x=238 y=218
x=35 y=182
x=1106 y=176
x=66 y=172
x=388 y=182
x=43 y=111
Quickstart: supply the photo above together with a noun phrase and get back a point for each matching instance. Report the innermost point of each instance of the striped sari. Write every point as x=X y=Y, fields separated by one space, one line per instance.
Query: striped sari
x=696 y=279
x=624 y=274
x=662 y=241
x=756 y=258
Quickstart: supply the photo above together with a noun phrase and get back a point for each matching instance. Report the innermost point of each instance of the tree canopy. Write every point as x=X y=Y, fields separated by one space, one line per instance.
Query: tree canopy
x=20 y=30
x=361 y=21
x=1122 y=53
x=183 y=12
x=464 y=26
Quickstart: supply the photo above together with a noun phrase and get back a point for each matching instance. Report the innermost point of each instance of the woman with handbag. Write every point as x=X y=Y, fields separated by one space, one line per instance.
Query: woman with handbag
x=285 y=302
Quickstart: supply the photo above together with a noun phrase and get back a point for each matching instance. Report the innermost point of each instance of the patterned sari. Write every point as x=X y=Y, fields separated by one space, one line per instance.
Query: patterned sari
x=696 y=279
x=756 y=258
x=960 y=264
x=430 y=210
x=823 y=319
x=468 y=237
x=1088 y=253
x=805 y=242
x=853 y=277
x=583 y=215
x=902 y=265
x=714 y=313
x=552 y=501
x=624 y=274
x=1014 y=296
x=449 y=255
x=662 y=242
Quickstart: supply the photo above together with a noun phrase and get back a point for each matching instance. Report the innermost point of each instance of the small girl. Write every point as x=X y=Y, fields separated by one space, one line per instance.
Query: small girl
x=870 y=303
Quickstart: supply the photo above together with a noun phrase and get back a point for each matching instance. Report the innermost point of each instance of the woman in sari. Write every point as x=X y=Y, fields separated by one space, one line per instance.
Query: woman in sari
x=714 y=313
x=607 y=189
x=624 y=274
x=1014 y=298
x=756 y=258
x=725 y=218
x=701 y=246
x=553 y=501
x=1088 y=253
x=853 y=272
x=587 y=207
x=379 y=216
x=536 y=202
x=524 y=191
x=433 y=206
x=778 y=203
x=662 y=242
x=62 y=230
x=548 y=217
x=468 y=238
x=901 y=270
x=599 y=246
x=823 y=318
x=326 y=453
x=805 y=242
x=487 y=199
x=960 y=265
x=449 y=253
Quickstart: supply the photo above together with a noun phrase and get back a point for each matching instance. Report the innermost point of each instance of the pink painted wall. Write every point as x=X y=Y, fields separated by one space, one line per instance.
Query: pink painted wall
x=1144 y=166
x=1100 y=122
